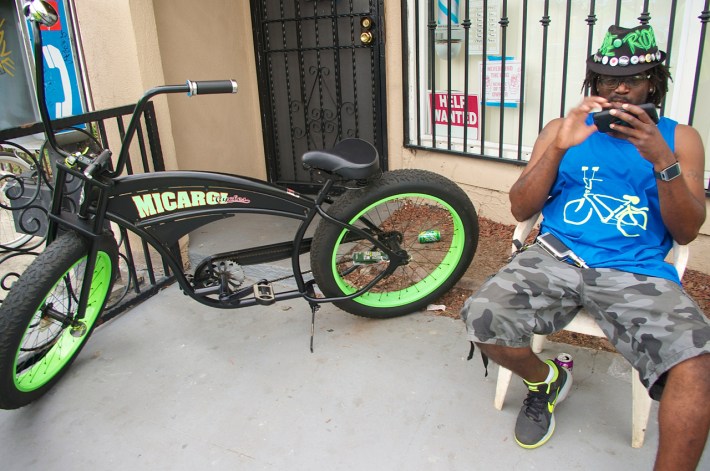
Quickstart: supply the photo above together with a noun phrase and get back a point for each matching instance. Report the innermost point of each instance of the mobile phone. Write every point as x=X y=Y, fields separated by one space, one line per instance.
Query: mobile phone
x=558 y=249
x=554 y=246
x=603 y=119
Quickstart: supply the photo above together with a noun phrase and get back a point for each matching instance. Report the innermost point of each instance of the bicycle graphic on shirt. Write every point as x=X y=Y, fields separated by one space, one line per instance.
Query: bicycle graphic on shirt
x=630 y=220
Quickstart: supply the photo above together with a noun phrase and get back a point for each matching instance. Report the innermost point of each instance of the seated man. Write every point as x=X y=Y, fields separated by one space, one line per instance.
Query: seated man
x=617 y=200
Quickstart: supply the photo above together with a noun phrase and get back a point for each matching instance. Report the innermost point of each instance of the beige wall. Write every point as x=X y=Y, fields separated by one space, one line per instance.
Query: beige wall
x=133 y=45
x=212 y=40
x=123 y=59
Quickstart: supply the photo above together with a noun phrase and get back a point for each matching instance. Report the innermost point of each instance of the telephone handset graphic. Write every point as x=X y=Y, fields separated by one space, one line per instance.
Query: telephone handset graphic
x=54 y=60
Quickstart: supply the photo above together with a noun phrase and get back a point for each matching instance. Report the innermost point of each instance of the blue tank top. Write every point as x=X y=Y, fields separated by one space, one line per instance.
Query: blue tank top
x=604 y=205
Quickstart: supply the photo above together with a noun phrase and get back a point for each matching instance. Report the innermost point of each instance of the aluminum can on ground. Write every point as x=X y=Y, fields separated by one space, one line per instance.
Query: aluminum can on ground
x=565 y=361
x=365 y=258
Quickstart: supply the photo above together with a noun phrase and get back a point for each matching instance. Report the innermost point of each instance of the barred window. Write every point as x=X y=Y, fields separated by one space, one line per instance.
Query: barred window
x=458 y=99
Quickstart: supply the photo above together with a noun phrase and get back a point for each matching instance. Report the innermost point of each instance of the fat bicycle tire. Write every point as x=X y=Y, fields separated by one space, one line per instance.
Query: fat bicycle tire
x=36 y=349
x=402 y=204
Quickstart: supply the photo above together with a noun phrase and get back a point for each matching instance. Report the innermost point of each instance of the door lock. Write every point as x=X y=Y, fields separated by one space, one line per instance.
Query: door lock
x=366 y=36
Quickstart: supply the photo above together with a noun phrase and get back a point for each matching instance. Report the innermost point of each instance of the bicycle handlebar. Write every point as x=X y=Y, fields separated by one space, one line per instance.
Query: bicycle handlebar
x=191 y=88
x=99 y=161
x=208 y=87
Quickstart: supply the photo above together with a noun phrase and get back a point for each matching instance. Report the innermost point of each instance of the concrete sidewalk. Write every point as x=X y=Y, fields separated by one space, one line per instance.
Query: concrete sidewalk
x=174 y=385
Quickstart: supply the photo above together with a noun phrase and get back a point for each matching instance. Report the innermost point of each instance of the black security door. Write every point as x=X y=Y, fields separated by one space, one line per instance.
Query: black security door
x=321 y=79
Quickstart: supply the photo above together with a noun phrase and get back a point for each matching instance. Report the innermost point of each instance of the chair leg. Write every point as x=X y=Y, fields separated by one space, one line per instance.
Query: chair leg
x=504 y=376
x=641 y=408
x=538 y=343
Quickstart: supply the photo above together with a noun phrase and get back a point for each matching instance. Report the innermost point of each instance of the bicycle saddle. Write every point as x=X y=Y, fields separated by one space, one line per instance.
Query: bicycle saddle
x=352 y=158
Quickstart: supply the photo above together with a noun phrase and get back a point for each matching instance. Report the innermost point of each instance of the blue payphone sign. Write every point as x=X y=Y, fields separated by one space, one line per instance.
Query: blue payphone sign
x=61 y=77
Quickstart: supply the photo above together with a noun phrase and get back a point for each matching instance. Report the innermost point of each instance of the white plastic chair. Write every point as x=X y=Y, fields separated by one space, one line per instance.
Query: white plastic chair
x=584 y=323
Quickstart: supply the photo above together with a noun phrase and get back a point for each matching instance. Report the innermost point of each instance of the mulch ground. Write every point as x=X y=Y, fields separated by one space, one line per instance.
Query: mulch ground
x=493 y=252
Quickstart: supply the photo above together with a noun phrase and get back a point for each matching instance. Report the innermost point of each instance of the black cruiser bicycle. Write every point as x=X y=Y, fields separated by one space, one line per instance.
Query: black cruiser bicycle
x=386 y=248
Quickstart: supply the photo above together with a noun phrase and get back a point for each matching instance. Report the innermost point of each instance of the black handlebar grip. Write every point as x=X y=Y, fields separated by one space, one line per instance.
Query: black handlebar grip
x=99 y=161
x=207 y=87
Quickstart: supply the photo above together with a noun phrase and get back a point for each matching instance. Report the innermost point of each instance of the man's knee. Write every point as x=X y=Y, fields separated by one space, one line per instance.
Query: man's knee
x=695 y=370
x=690 y=377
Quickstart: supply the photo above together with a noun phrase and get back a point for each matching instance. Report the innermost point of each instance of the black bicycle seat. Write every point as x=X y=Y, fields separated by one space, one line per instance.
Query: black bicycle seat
x=350 y=158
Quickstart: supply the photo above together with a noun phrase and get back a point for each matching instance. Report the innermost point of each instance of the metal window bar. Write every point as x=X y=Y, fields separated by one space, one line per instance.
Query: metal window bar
x=591 y=22
x=417 y=79
x=449 y=21
x=484 y=56
x=565 y=55
x=504 y=30
x=523 y=57
x=134 y=289
x=466 y=32
x=704 y=18
x=432 y=66
x=544 y=22
x=669 y=41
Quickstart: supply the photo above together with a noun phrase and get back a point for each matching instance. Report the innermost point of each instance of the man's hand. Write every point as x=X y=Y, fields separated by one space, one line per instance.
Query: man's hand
x=683 y=199
x=573 y=129
x=530 y=191
x=644 y=134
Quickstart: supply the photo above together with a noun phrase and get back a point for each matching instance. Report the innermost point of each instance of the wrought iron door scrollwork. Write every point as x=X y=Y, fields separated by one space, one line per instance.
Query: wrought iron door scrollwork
x=322 y=114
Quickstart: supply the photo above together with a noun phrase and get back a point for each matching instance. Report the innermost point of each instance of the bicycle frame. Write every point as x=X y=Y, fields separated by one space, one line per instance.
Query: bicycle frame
x=162 y=207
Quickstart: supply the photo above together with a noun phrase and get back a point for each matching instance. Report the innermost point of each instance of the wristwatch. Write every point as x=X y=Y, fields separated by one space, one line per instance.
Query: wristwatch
x=668 y=173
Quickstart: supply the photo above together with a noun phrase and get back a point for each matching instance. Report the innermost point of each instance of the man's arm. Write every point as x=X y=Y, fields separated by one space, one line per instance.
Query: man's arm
x=682 y=199
x=530 y=191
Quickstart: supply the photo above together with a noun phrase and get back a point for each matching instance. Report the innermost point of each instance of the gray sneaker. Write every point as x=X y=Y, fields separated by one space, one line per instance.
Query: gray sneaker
x=536 y=421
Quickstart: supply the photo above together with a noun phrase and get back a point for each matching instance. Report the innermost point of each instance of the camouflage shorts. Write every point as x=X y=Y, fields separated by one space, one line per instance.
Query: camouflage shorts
x=651 y=321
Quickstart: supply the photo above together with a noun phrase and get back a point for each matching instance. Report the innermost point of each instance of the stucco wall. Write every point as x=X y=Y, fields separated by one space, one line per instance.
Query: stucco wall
x=212 y=40
x=133 y=45
x=123 y=59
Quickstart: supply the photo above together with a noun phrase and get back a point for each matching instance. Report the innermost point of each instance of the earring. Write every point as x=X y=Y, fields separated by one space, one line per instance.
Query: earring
x=651 y=90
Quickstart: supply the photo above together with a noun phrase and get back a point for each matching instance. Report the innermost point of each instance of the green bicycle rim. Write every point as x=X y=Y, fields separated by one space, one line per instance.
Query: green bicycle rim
x=66 y=345
x=420 y=289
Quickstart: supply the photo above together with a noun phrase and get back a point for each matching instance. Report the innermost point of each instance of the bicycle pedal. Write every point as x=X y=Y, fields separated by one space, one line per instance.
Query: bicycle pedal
x=264 y=293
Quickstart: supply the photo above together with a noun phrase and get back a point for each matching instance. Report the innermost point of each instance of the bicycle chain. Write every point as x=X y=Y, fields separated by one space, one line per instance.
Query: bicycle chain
x=232 y=259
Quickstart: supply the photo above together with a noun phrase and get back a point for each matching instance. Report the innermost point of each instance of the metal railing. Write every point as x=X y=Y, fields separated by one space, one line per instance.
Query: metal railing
x=26 y=185
x=456 y=52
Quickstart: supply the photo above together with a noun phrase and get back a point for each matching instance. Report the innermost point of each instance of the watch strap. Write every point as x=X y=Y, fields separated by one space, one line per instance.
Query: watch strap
x=669 y=173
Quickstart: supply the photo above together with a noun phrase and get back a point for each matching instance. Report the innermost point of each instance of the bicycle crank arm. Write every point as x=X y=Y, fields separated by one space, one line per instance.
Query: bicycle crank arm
x=261 y=293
